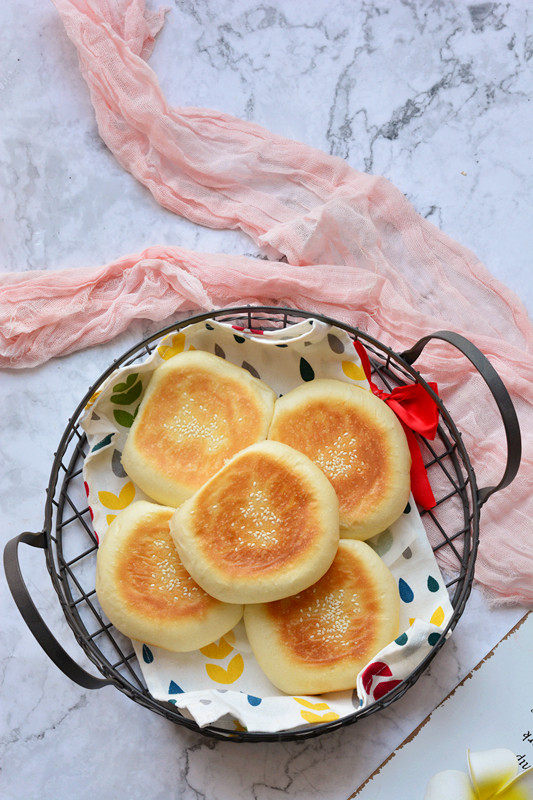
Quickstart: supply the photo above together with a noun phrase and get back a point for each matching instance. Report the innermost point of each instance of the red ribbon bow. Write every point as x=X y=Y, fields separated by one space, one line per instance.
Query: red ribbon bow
x=417 y=412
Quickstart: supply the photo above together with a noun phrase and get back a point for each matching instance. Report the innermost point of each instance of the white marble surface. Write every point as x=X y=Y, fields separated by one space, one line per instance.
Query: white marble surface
x=434 y=96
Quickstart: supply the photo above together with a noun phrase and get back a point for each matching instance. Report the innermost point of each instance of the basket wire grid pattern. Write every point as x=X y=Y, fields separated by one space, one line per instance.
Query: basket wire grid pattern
x=72 y=573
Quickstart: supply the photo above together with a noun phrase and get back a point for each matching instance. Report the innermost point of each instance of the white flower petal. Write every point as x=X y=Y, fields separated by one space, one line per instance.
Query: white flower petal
x=449 y=784
x=490 y=770
x=519 y=788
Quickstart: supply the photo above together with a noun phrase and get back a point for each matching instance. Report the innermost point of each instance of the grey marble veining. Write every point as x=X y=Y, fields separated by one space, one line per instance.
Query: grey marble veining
x=434 y=95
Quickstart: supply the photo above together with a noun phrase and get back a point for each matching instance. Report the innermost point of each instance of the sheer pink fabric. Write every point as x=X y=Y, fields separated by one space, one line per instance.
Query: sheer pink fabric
x=355 y=249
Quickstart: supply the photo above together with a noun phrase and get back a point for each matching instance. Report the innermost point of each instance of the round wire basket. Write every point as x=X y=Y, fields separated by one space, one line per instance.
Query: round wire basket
x=70 y=545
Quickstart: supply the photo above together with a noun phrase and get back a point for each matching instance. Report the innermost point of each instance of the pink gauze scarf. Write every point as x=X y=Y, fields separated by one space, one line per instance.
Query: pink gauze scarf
x=355 y=247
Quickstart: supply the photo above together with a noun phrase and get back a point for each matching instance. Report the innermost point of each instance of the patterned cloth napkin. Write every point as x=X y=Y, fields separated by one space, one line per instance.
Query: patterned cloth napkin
x=223 y=682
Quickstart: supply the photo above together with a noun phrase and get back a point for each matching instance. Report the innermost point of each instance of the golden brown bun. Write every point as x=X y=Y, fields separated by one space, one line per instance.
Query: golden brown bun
x=198 y=411
x=358 y=442
x=318 y=640
x=145 y=590
x=264 y=527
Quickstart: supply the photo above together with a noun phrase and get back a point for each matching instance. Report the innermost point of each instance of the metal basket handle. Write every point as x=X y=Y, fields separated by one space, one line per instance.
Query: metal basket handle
x=33 y=619
x=498 y=391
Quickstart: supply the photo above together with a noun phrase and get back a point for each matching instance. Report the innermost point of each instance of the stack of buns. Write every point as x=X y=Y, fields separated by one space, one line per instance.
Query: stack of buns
x=265 y=503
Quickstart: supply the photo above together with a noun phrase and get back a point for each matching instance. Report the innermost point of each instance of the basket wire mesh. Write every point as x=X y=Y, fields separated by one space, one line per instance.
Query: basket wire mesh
x=71 y=544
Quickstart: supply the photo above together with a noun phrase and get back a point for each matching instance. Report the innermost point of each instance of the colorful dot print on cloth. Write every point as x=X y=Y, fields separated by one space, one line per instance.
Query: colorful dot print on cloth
x=147 y=654
x=313 y=712
x=353 y=371
x=227 y=672
x=406 y=593
x=126 y=396
x=175 y=346
x=222 y=682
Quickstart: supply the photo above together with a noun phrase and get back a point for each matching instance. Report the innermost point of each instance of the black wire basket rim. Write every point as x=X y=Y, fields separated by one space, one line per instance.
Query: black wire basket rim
x=170 y=710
